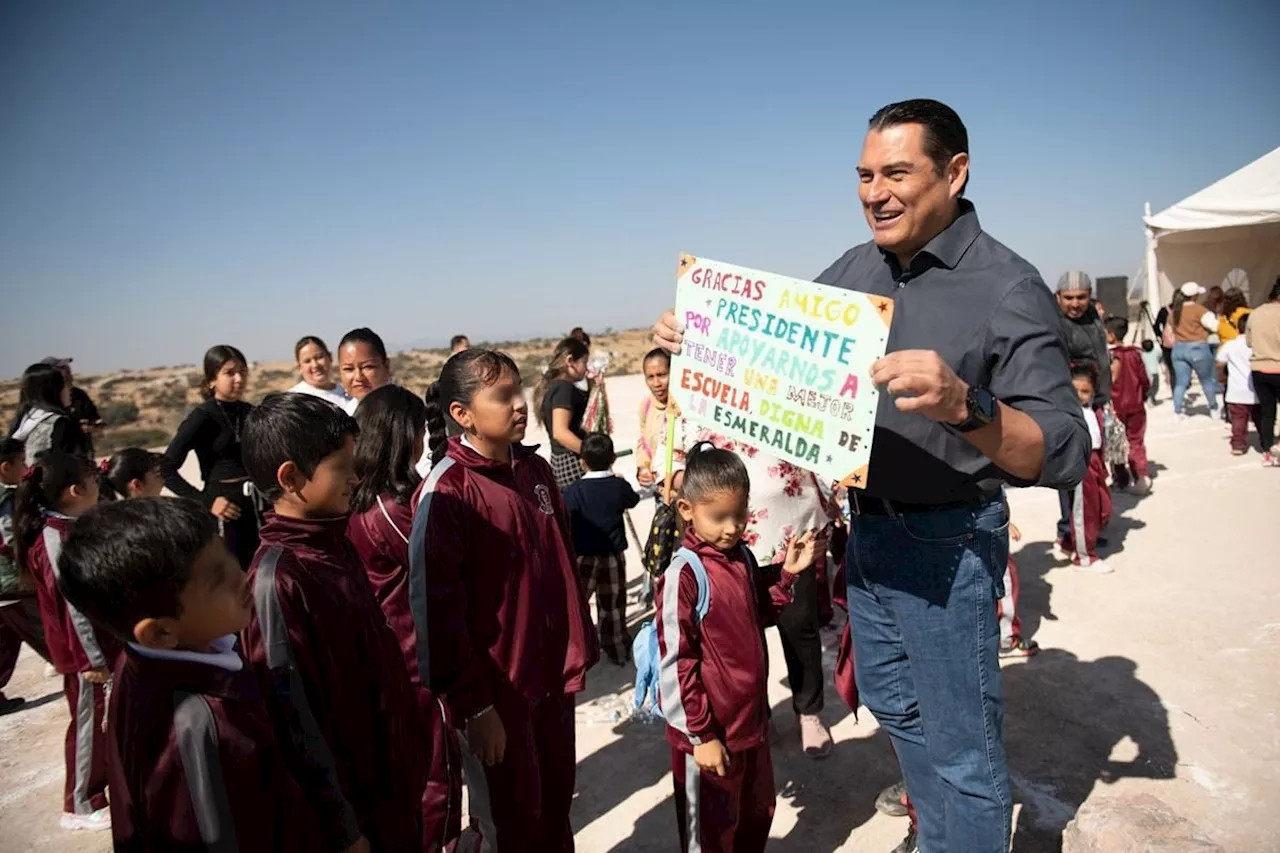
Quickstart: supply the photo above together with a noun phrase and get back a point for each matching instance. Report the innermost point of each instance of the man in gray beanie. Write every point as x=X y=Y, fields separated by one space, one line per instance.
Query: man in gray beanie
x=1086 y=339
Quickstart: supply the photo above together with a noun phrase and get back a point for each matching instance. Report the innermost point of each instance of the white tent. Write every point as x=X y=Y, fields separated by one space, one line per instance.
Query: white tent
x=1227 y=234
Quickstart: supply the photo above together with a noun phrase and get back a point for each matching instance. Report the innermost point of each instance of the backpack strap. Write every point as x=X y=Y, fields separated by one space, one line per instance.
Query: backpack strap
x=694 y=562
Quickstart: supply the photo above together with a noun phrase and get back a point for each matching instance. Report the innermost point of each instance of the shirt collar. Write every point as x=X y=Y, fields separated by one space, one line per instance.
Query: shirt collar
x=948 y=247
x=223 y=656
x=597 y=475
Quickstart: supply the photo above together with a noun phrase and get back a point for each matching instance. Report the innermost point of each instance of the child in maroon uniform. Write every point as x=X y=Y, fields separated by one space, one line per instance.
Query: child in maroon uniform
x=714 y=663
x=1130 y=385
x=342 y=700
x=392 y=434
x=1091 y=500
x=502 y=627
x=192 y=759
x=57 y=489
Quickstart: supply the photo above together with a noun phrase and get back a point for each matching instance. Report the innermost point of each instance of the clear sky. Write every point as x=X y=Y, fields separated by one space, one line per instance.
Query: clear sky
x=174 y=175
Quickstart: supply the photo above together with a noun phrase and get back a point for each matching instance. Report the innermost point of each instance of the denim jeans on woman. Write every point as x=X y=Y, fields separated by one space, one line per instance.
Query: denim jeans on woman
x=1195 y=356
x=922 y=594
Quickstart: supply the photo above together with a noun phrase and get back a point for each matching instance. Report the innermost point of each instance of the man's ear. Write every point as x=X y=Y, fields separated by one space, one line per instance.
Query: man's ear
x=958 y=173
x=155 y=634
x=289 y=477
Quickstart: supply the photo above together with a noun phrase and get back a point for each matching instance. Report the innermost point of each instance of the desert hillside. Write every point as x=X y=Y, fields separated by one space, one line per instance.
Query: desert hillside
x=142 y=408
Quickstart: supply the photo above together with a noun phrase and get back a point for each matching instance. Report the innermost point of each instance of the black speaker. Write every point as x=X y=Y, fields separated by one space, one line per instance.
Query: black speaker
x=1113 y=290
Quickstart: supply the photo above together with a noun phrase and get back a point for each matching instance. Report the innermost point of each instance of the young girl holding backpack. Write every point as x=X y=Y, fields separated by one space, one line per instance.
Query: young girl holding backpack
x=502 y=629
x=713 y=604
x=55 y=491
x=392 y=433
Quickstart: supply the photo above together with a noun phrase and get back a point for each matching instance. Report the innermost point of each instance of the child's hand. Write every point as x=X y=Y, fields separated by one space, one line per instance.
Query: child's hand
x=802 y=550
x=98 y=676
x=487 y=737
x=644 y=477
x=712 y=756
x=224 y=509
x=1014 y=533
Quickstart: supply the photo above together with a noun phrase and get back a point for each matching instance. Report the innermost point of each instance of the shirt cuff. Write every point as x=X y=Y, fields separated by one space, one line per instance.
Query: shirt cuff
x=1066 y=450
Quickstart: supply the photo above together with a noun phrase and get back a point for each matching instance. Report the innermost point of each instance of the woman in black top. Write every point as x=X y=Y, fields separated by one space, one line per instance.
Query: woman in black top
x=213 y=431
x=560 y=406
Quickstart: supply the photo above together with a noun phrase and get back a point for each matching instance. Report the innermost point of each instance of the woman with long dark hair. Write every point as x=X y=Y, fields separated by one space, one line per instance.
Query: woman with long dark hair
x=213 y=431
x=560 y=406
x=44 y=420
x=392 y=433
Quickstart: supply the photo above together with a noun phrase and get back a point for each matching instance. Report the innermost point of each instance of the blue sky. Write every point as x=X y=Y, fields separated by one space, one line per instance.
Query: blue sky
x=174 y=175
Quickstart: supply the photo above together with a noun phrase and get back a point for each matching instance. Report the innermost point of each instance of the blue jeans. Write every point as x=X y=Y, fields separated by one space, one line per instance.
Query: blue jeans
x=1198 y=357
x=922 y=609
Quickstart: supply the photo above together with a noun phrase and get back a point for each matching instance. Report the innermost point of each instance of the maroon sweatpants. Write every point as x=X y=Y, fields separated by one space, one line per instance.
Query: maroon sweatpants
x=726 y=814
x=1135 y=429
x=1090 y=512
x=86 y=785
x=1241 y=414
x=442 y=798
x=1007 y=607
x=19 y=623
x=522 y=802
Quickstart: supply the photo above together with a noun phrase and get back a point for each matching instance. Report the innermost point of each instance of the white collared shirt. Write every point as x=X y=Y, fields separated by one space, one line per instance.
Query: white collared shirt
x=224 y=654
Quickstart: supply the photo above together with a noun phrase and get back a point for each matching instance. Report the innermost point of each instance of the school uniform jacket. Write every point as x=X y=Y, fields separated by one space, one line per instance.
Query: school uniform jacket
x=193 y=762
x=1129 y=391
x=74 y=644
x=493 y=584
x=712 y=675
x=345 y=709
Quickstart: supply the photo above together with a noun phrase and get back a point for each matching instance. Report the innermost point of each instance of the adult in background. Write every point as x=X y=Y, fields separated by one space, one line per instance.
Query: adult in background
x=82 y=407
x=928 y=538
x=459 y=343
x=1192 y=325
x=44 y=420
x=362 y=365
x=213 y=430
x=1263 y=336
x=560 y=405
x=315 y=366
x=1086 y=345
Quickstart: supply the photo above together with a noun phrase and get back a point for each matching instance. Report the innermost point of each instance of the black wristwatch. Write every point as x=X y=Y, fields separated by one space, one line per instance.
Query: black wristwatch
x=982 y=409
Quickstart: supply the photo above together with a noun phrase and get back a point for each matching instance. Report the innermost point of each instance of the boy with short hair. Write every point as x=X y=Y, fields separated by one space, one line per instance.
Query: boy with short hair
x=1091 y=500
x=19 y=612
x=344 y=705
x=1242 y=402
x=595 y=505
x=192 y=759
x=1130 y=385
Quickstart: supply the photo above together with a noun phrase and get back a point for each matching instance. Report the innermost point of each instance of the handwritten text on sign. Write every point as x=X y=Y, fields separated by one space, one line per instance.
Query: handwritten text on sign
x=780 y=363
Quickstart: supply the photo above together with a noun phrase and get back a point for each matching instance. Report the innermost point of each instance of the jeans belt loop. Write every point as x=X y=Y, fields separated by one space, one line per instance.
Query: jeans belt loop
x=888 y=508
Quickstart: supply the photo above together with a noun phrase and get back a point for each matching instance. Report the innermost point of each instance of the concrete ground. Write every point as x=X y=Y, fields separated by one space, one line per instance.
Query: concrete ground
x=1152 y=679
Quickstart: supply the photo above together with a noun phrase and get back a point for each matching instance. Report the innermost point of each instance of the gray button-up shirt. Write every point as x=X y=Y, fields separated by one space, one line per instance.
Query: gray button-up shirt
x=990 y=316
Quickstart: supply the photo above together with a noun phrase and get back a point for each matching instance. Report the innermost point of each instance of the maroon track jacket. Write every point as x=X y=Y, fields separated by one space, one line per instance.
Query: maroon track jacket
x=713 y=672
x=74 y=644
x=493 y=583
x=1129 y=391
x=193 y=763
x=345 y=710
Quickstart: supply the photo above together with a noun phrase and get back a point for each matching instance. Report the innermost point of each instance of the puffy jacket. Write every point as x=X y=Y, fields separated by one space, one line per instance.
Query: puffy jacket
x=1087 y=344
x=493 y=583
x=44 y=429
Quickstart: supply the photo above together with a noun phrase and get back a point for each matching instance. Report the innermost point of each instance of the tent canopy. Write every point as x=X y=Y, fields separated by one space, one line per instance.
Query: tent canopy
x=1228 y=234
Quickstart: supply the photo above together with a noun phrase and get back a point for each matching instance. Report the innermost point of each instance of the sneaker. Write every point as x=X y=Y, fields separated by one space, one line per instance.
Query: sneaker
x=892 y=800
x=908 y=844
x=1017 y=648
x=50 y=671
x=93 y=822
x=1095 y=567
x=1238 y=451
x=1061 y=553
x=1141 y=487
x=1268 y=460
x=1181 y=417
x=814 y=737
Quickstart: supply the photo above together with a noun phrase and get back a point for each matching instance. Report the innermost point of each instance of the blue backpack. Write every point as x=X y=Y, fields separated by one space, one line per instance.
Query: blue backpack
x=644 y=648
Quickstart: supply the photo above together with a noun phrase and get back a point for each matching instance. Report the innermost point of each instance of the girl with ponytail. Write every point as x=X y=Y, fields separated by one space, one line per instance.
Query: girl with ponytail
x=131 y=473
x=392 y=434
x=55 y=491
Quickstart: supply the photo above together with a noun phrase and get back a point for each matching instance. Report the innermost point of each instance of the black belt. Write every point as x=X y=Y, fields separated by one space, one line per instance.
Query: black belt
x=862 y=504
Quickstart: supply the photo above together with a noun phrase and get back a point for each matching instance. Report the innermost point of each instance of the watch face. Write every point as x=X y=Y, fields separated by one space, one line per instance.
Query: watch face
x=986 y=404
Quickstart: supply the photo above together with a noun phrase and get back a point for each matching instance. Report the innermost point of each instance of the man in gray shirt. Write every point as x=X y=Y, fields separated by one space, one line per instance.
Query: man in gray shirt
x=979 y=396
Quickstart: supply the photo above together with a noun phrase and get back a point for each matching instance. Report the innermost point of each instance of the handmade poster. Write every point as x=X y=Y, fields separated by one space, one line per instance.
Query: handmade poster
x=780 y=363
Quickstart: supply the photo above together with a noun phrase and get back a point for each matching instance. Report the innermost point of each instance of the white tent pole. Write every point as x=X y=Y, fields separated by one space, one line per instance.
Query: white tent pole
x=1153 y=271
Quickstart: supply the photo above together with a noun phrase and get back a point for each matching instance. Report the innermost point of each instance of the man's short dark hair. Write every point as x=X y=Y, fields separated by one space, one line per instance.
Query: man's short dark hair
x=597 y=452
x=458 y=340
x=295 y=428
x=1117 y=325
x=126 y=561
x=944 y=133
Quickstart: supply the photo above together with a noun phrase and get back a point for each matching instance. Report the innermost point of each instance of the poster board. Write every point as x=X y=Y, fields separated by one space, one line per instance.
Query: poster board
x=781 y=364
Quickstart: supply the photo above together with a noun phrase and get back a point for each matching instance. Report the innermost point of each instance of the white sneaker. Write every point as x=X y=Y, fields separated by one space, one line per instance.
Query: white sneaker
x=50 y=671
x=1181 y=417
x=92 y=822
x=814 y=737
x=1095 y=567
x=1062 y=555
x=1142 y=486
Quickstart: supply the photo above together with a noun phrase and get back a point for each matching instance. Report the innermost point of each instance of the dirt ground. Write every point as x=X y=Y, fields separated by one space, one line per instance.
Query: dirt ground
x=1159 y=678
